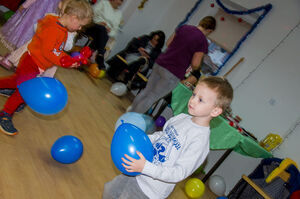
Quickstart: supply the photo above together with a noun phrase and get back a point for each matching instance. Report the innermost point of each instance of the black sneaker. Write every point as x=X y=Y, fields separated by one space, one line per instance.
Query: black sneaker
x=20 y=108
x=6 y=125
x=6 y=92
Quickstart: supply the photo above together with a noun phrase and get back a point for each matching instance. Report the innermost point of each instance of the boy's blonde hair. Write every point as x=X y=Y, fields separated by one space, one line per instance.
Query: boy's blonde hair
x=208 y=23
x=62 y=6
x=223 y=89
x=79 y=8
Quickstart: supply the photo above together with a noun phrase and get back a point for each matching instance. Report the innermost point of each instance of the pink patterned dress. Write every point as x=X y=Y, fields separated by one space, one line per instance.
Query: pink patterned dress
x=20 y=27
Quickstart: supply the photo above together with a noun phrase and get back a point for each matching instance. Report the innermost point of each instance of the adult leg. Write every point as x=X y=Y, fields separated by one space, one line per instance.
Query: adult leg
x=116 y=67
x=100 y=38
x=160 y=83
x=133 y=68
x=154 y=77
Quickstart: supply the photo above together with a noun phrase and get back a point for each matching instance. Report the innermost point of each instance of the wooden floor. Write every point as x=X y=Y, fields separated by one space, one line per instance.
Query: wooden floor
x=27 y=168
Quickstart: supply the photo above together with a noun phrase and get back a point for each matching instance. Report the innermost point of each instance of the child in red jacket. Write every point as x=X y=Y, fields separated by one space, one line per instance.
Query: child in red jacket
x=44 y=51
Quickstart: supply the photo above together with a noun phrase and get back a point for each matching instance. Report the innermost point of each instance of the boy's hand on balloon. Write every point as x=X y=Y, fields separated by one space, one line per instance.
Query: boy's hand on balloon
x=134 y=165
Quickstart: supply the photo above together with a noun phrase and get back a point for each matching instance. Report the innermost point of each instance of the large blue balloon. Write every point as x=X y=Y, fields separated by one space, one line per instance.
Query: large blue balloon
x=44 y=95
x=67 y=149
x=127 y=140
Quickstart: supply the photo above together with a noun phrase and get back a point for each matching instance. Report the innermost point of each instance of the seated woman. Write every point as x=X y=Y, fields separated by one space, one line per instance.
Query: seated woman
x=139 y=55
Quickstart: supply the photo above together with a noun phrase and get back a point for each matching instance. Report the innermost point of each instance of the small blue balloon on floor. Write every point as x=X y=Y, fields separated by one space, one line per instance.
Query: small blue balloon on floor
x=44 y=95
x=67 y=149
x=127 y=140
x=160 y=121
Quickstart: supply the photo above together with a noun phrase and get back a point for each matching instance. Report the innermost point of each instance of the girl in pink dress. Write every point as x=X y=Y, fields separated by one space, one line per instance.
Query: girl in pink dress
x=19 y=28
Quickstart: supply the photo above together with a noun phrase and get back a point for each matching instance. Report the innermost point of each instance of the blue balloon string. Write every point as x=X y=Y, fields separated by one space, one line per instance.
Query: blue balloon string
x=265 y=9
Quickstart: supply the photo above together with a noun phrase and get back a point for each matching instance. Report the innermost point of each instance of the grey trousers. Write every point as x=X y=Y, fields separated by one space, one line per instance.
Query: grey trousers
x=123 y=187
x=160 y=83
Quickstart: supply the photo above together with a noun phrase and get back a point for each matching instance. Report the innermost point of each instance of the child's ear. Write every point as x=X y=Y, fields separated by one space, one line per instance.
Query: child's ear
x=216 y=111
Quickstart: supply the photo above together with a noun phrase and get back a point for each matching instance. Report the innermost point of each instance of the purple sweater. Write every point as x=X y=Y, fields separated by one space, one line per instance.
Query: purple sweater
x=178 y=56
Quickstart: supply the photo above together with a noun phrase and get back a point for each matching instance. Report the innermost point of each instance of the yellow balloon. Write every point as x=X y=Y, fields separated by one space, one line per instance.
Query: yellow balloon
x=101 y=74
x=194 y=188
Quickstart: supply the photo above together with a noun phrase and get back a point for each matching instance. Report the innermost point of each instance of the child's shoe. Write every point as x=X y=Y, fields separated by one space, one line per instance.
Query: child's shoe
x=6 y=63
x=6 y=92
x=6 y=125
x=20 y=108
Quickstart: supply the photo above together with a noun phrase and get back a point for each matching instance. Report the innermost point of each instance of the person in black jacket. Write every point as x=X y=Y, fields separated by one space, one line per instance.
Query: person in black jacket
x=139 y=55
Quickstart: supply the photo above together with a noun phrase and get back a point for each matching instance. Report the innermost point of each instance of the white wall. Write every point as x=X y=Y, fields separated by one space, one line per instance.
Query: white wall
x=141 y=22
x=266 y=84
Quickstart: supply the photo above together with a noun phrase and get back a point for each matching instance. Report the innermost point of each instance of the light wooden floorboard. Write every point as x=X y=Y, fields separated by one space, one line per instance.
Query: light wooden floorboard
x=27 y=168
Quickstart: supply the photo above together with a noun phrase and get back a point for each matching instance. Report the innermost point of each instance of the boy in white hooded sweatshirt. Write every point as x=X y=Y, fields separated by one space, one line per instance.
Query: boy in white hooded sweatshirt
x=180 y=148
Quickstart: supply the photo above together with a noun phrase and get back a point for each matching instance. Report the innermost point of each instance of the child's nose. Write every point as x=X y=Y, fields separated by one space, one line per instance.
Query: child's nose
x=193 y=99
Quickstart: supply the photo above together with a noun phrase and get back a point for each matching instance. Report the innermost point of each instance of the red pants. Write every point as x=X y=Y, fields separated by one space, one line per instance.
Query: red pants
x=26 y=70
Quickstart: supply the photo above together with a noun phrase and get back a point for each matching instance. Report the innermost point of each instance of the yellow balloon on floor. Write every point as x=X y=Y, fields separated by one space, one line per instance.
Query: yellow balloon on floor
x=194 y=188
x=101 y=74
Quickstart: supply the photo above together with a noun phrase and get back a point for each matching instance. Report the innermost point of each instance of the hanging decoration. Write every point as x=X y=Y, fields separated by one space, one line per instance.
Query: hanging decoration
x=266 y=9
x=141 y=6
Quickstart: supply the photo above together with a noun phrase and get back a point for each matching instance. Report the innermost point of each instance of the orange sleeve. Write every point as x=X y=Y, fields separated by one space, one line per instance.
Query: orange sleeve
x=52 y=44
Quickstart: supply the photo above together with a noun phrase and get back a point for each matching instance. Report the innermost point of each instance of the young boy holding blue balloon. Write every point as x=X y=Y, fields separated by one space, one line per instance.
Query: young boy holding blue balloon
x=44 y=51
x=179 y=149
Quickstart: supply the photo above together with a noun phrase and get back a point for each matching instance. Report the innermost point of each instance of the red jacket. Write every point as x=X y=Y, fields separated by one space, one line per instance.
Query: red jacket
x=46 y=47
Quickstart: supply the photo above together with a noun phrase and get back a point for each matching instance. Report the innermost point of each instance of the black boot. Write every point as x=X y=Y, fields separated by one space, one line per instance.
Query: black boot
x=116 y=67
x=100 y=62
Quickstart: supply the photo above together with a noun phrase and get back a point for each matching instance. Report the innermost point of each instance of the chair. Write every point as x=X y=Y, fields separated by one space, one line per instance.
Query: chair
x=118 y=67
x=272 y=179
x=83 y=39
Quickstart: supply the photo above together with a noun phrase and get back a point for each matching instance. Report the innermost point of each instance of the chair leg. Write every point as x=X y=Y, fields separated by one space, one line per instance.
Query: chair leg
x=256 y=187
x=166 y=100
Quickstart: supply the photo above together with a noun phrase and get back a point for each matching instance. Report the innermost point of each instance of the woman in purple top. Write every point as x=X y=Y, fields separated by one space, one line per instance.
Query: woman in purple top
x=186 y=47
